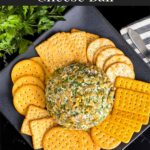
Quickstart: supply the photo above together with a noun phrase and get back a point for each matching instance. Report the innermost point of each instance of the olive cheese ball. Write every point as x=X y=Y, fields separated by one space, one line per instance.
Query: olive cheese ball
x=79 y=96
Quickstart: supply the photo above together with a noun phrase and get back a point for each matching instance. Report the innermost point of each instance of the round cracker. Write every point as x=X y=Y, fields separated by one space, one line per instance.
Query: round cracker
x=104 y=140
x=106 y=54
x=91 y=37
x=98 y=51
x=95 y=45
x=28 y=95
x=117 y=58
x=96 y=147
x=62 y=139
x=39 y=60
x=119 y=69
x=85 y=141
x=27 y=68
x=25 y=80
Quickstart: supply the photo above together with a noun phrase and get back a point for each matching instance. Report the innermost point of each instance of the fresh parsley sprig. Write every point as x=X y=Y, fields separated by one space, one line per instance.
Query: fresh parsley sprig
x=17 y=23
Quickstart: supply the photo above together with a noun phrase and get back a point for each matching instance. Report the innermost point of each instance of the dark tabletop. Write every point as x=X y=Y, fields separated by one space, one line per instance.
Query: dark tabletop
x=118 y=17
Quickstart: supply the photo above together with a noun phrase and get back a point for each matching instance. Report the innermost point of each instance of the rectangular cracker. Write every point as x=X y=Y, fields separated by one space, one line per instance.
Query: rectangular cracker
x=90 y=37
x=136 y=126
x=59 y=51
x=38 y=128
x=118 y=131
x=131 y=116
x=33 y=112
x=25 y=127
x=131 y=101
x=79 y=40
x=131 y=84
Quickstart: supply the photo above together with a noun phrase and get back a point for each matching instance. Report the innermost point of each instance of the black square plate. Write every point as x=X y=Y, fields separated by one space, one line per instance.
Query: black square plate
x=85 y=18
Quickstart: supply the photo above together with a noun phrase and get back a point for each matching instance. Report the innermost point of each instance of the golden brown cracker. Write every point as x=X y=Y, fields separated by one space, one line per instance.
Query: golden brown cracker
x=103 y=140
x=90 y=37
x=100 y=50
x=60 y=138
x=118 y=131
x=38 y=128
x=131 y=101
x=106 y=54
x=95 y=45
x=27 y=68
x=74 y=30
x=116 y=59
x=135 y=85
x=136 y=126
x=27 y=95
x=47 y=72
x=39 y=60
x=33 y=112
x=59 y=51
x=96 y=147
x=25 y=127
x=27 y=80
x=85 y=141
x=119 y=69
x=79 y=40
x=132 y=116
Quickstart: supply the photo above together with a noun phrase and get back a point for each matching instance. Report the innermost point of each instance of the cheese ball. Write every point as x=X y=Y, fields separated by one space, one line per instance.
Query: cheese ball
x=79 y=96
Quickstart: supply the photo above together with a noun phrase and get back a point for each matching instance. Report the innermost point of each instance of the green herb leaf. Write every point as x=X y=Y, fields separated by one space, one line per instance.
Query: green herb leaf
x=23 y=45
x=25 y=10
x=44 y=24
x=19 y=24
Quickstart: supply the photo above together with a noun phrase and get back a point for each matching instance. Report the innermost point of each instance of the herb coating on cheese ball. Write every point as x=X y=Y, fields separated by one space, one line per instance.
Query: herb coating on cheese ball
x=79 y=96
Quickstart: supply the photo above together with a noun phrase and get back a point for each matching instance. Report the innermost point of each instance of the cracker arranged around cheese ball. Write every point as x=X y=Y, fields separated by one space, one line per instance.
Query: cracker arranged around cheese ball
x=116 y=59
x=119 y=70
x=45 y=68
x=79 y=96
x=90 y=37
x=27 y=95
x=100 y=50
x=106 y=54
x=27 y=80
x=104 y=140
x=95 y=45
x=61 y=139
x=64 y=139
x=38 y=128
x=33 y=112
x=27 y=68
